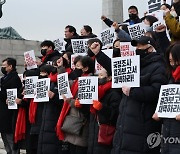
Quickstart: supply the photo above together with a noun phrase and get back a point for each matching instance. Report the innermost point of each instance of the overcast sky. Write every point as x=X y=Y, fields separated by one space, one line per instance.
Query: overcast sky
x=46 y=19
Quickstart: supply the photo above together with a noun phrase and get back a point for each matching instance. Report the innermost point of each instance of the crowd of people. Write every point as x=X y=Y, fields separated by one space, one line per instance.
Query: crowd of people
x=120 y=121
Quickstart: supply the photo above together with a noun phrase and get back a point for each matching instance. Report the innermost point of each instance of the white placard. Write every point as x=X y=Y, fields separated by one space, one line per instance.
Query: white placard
x=107 y=36
x=87 y=89
x=169 y=101
x=59 y=44
x=137 y=30
x=167 y=2
x=159 y=14
x=127 y=49
x=30 y=59
x=30 y=86
x=126 y=71
x=79 y=45
x=63 y=86
x=11 y=97
x=42 y=88
x=153 y=5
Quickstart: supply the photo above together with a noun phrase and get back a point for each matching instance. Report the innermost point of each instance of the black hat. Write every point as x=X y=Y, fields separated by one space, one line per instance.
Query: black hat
x=144 y=40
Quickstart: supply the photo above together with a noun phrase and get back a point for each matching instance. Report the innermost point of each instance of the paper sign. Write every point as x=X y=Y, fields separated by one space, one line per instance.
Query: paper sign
x=126 y=71
x=63 y=86
x=107 y=36
x=79 y=45
x=30 y=59
x=87 y=89
x=59 y=44
x=137 y=30
x=166 y=2
x=159 y=14
x=127 y=49
x=42 y=88
x=11 y=97
x=30 y=86
x=169 y=101
x=153 y=5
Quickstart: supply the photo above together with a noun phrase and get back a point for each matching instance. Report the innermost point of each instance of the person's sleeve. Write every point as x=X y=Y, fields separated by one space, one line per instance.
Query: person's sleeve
x=163 y=41
x=108 y=22
x=150 y=93
x=104 y=61
x=173 y=25
x=123 y=35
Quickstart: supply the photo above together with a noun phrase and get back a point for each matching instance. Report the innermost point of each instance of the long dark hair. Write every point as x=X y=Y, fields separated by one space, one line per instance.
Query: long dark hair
x=174 y=49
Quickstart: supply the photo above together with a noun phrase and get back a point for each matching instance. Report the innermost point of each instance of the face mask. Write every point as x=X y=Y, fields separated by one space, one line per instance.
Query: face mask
x=78 y=72
x=148 y=28
x=132 y=16
x=116 y=52
x=43 y=52
x=173 y=13
x=102 y=81
x=142 y=53
x=90 y=53
x=3 y=70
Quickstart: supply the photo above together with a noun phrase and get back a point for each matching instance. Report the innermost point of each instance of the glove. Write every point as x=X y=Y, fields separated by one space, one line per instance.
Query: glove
x=97 y=105
x=77 y=103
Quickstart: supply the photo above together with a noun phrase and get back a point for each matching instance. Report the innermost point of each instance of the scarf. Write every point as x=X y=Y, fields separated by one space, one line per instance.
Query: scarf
x=176 y=74
x=53 y=77
x=20 y=129
x=44 y=57
x=102 y=89
x=32 y=111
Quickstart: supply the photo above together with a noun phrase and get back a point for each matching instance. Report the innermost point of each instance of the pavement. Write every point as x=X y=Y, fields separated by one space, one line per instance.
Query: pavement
x=3 y=151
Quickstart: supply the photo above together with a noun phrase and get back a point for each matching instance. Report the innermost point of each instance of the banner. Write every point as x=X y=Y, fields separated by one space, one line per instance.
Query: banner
x=126 y=71
x=169 y=101
x=30 y=59
x=63 y=86
x=59 y=44
x=30 y=86
x=107 y=37
x=79 y=45
x=11 y=97
x=137 y=30
x=42 y=88
x=87 y=89
x=127 y=49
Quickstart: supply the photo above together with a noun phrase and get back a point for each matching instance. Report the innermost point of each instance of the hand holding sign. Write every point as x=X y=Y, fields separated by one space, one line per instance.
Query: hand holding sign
x=51 y=94
x=160 y=28
x=155 y=117
x=18 y=101
x=126 y=90
x=178 y=117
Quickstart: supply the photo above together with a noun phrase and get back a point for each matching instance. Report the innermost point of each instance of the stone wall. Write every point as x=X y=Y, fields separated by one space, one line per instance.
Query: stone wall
x=16 y=49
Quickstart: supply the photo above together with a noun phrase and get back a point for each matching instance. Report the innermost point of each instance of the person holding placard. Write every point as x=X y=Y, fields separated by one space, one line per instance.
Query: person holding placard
x=138 y=104
x=8 y=117
x=106 y=113
x=72 y=109
x=171 y=126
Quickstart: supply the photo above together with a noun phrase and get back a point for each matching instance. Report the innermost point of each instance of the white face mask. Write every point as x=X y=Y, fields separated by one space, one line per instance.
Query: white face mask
x=173 y=13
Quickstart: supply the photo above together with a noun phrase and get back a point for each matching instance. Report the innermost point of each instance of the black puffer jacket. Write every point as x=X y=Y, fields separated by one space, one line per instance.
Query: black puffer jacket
x=107 y=115
x=8 y=117
x=171 y=129
x=135 y=121
x=48 y=142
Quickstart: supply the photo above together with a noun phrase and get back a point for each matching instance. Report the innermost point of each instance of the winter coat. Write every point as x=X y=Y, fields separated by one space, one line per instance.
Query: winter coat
x=8 y=117
x=48 y=142
x=135 y=121
x=170 y=129
x=174 y=27
x=107 y=115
